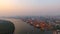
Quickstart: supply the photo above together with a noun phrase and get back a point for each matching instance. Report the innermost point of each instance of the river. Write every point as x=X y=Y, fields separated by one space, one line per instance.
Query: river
x=24 y=28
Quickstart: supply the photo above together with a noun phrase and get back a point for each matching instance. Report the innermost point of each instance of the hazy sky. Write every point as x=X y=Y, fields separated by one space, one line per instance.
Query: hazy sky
x=29 y=7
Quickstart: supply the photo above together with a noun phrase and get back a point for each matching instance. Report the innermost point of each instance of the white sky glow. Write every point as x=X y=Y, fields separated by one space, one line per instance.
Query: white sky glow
x=29 y=7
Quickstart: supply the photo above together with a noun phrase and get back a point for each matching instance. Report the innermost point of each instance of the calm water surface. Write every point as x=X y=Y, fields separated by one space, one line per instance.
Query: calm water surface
x=24 y=28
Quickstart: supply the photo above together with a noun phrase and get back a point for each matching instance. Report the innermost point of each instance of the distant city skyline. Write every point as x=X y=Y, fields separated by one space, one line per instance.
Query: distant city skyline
x=29 y=7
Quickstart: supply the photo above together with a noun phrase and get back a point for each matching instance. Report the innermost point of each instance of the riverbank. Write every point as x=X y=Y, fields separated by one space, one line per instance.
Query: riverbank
x=24 y=28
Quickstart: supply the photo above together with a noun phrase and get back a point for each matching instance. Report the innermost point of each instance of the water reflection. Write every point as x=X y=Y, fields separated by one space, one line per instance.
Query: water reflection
x=24 y=28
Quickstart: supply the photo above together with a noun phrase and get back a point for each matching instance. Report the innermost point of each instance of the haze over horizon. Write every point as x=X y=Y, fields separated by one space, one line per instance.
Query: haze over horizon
x=29 y=7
